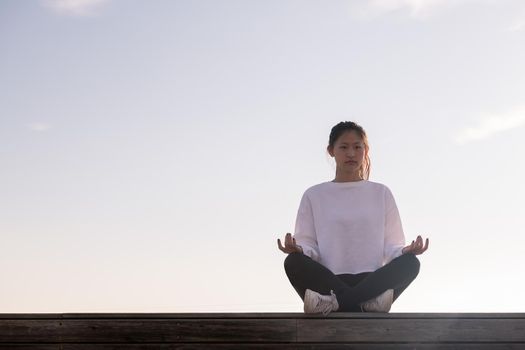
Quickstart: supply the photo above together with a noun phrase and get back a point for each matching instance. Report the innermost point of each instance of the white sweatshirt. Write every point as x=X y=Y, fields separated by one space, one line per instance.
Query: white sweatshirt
x=349 y=227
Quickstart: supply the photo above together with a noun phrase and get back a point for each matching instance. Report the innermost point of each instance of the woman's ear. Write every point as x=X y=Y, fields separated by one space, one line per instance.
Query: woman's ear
x=330 y=151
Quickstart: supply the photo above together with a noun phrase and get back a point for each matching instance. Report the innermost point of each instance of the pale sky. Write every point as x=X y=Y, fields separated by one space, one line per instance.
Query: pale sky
x=152 y=152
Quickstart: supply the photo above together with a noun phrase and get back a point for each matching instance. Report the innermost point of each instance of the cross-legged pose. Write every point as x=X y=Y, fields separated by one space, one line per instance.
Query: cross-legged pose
x=348 y=250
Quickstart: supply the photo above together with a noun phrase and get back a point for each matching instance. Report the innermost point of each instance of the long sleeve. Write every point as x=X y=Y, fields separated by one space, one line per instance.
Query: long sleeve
x=305 y=234
x=394 y=236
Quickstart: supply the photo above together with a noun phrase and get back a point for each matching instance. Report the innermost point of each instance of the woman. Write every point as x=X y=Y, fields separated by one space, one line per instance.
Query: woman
x=348 y=251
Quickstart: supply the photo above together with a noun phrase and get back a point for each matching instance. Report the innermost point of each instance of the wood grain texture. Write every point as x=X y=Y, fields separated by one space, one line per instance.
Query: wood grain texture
x=179 y=330
x=311 y=346
x=261 y=331
x=409 y=330
x=29 y=330
x=37 y=346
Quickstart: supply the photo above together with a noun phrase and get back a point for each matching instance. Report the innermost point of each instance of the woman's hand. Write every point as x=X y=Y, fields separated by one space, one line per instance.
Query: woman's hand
x=289 y=245
x=416 y=247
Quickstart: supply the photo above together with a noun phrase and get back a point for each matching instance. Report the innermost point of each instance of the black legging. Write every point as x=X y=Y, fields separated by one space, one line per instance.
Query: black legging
x=350 y=290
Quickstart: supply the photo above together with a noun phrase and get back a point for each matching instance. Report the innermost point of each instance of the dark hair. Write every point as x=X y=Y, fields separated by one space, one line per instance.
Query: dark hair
x=343 y=127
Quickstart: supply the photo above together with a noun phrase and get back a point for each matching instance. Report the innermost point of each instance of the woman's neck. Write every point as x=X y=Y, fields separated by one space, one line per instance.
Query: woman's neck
x=347 y=177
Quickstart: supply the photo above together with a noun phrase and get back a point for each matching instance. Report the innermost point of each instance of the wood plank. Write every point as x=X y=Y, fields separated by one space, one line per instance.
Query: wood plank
x=30 y=346
x=356 y=330
x=181 y=330
x=311 y=346
x=235 y=346
x=29 y=331
x=403 y=330
x=17 y=316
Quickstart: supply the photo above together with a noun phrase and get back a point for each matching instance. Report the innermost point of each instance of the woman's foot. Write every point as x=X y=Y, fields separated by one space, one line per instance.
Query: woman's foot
x=315 y=303
x=381 y=303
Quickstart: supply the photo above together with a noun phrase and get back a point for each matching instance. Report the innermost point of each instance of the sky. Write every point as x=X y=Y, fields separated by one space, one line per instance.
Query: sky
x=152 y=152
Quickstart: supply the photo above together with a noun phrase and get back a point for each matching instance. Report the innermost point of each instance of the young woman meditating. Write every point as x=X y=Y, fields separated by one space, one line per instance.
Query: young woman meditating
x=348 y=250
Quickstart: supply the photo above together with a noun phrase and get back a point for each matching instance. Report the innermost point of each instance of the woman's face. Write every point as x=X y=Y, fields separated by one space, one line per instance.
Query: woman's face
x=349 y=152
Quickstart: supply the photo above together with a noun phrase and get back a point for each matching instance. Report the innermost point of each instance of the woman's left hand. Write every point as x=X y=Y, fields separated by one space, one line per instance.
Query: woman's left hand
x=416 y=247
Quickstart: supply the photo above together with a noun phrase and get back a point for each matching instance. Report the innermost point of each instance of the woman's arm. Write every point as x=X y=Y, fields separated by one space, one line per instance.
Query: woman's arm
x=304 y=234
x=394 y=235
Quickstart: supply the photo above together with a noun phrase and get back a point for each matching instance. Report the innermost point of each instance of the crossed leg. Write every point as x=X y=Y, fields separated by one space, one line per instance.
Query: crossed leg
x=305 y=273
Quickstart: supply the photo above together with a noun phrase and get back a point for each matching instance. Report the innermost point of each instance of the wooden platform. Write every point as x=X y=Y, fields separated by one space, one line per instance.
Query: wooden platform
x=262 y=331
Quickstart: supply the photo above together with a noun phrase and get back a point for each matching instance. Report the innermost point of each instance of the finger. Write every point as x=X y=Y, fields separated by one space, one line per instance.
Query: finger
x=421 y=246
x=280 y=245
x=288 y=240
x=426 y=245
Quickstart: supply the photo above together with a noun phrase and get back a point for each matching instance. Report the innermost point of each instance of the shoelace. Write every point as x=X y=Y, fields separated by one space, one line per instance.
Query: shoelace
x=326 y=308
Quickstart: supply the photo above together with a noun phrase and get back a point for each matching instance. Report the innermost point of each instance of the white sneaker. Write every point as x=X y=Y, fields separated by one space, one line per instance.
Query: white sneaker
x=315 y=303
x=381 y=303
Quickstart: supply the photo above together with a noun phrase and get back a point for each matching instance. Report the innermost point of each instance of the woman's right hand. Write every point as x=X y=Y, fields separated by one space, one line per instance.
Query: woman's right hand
x=289 y=245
